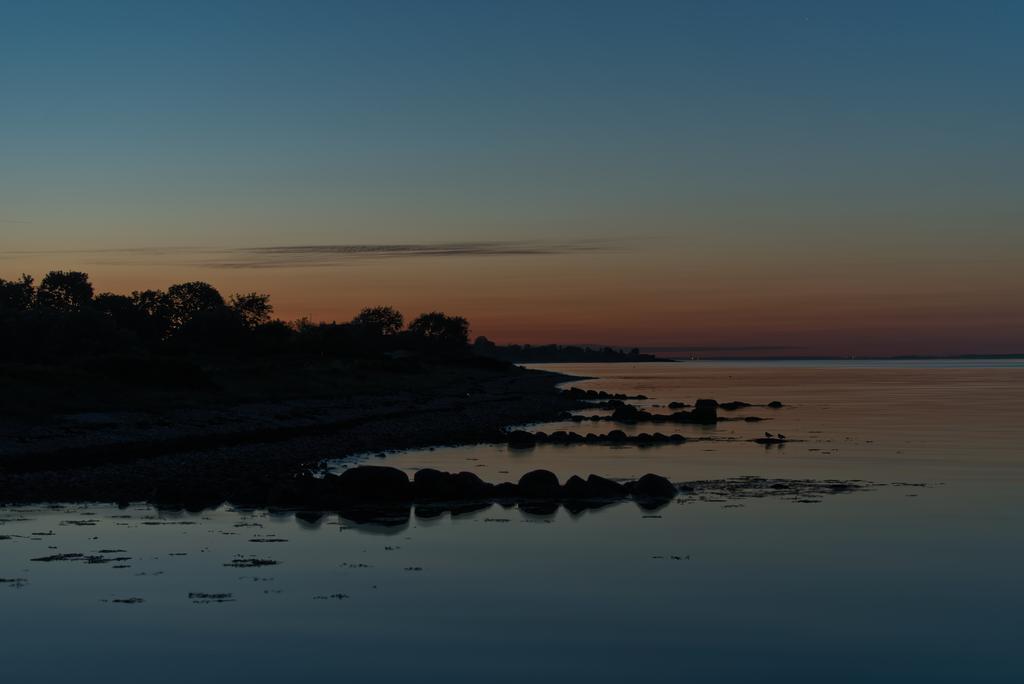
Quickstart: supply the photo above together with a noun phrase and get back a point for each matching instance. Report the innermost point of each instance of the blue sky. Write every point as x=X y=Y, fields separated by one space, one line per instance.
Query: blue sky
x=458 y=120
x=807 y=130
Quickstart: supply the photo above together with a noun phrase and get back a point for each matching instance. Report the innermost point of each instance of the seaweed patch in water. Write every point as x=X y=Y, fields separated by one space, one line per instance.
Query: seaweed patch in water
x=250 y=563
x=203 y=597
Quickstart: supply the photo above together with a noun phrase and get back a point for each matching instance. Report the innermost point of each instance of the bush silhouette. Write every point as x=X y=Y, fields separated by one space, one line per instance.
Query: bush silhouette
x=17 y=295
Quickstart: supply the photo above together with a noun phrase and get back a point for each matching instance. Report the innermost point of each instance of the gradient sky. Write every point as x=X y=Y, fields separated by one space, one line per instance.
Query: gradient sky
x=799 y=177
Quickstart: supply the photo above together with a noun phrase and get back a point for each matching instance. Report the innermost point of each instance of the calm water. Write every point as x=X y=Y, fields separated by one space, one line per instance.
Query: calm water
x=894 y=584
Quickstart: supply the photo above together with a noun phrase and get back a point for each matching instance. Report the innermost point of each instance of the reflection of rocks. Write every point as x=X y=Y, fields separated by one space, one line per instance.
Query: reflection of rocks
x=394 y=515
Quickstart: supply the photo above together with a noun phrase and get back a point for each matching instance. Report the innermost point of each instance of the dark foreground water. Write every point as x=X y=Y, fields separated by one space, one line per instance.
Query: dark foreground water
x=917 y=579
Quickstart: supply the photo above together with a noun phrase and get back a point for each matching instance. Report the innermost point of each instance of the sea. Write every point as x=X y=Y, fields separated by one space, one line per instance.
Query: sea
x=883 y=541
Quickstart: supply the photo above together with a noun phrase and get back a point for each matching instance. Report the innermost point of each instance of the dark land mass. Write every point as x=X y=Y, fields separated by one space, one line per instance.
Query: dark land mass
x=184 y=394
x=554 y=353
x=196 y=446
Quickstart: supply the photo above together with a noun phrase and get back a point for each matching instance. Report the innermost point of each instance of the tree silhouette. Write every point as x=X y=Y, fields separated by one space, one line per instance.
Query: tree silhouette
x=381 y=320
x=63 y=321
x=254 y=309
x=64 y=291
x=436 y=326
x=187 y=300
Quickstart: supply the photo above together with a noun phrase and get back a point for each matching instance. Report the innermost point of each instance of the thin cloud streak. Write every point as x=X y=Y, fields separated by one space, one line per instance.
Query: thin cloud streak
x=292 y=256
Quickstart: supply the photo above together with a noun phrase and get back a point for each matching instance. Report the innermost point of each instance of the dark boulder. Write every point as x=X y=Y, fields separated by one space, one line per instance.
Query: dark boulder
x=628 y=414
x=775 y=404
x=433 y=485
x=617 y=436
x=603 y=488
x=378 y=483
x=505 y=491
x=521 y=439
x=539 y=484
x=705 y=411
x=576 y=488
x=652 y=486
x=733 y=405
x=470 y=486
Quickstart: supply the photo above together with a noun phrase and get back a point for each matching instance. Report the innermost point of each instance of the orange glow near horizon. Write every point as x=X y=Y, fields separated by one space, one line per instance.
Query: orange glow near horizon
x=777 y=304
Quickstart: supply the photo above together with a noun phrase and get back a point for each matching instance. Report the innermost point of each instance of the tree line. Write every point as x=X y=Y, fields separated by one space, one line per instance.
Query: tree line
x=63 y=318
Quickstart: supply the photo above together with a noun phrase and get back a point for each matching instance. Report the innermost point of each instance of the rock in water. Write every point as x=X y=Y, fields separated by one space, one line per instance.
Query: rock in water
x=505 y=491
x=470 y=486
x=652 y=486
x=521 y=439
x=705 y=411
x=379 y=483
x=576 y=488
x=603 y=488
x=539 y=484
x=433 y=485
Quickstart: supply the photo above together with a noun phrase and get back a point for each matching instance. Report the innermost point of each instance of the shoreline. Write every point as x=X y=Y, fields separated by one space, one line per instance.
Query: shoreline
x=197 y=463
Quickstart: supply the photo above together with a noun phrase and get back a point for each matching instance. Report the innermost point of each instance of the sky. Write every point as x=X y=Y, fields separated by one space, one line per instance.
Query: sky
x=751 y=178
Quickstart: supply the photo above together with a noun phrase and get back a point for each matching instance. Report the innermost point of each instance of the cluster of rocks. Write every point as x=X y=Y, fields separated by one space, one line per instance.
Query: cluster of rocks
x=521 y=439
x=370 y=485
x=577 y=393
x=734 y=405
x=704 y=412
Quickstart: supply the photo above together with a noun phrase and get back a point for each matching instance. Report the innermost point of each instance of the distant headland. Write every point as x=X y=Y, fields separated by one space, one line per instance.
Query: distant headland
x=556 y=353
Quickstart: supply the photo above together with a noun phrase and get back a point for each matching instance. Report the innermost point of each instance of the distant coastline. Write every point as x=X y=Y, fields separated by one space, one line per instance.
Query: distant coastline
x=906 y=357
x=557 y=353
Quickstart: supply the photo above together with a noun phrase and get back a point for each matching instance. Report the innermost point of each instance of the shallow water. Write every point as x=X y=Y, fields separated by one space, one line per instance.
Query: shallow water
x=899 y=583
